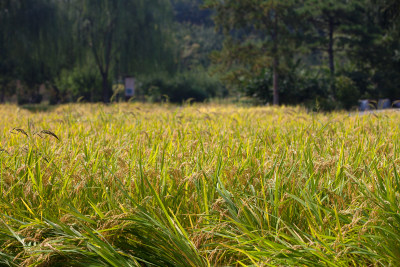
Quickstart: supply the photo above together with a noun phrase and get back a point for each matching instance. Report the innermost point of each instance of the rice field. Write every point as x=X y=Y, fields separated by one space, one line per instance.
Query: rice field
x=198 y=185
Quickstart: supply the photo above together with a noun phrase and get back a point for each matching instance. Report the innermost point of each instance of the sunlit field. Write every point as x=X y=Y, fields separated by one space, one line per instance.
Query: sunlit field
x=198 y=185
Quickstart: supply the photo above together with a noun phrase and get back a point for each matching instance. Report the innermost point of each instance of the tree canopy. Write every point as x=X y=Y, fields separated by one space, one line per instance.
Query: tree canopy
x=310 y=49
x=45 y=39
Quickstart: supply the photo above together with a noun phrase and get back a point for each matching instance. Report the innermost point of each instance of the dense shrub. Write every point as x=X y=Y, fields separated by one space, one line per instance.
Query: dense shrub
x=295 y=86
x=197 y=86
x=27 y=96
x=80 y=83
x=347 y=92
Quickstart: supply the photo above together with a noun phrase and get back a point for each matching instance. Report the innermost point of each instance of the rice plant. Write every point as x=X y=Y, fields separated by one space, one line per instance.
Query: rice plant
x=198 y=185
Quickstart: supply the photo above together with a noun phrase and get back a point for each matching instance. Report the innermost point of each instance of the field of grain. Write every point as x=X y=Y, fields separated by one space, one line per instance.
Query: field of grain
x=199 y=185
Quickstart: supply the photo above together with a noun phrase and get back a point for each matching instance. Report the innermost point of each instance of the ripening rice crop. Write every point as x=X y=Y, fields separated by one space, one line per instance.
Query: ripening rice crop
x=199 y=185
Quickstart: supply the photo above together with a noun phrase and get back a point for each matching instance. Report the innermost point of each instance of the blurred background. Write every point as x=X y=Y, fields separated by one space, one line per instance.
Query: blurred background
x=322 y=54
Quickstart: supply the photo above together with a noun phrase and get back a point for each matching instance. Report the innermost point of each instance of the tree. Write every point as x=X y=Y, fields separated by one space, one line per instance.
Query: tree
x=390 y=10
x=375 y=49
x=332 y=20
x=31 y=44
x=260 y=35
x=121 y=35
x=6 y=64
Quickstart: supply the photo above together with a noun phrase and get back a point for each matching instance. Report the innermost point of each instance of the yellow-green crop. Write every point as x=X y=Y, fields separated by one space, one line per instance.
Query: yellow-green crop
x=200 y=185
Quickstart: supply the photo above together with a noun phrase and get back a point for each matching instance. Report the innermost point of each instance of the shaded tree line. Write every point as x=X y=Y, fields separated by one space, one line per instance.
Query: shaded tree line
x=318 y=52
x=78 y=47
x=332 y=52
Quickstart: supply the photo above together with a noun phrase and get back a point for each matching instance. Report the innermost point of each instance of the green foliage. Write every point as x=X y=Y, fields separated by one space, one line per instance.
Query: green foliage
x=41 y=41
x=6 y=87
x=196 y=86
x=32 y=46
x=376 y=54
x=109 y=32
x=28 y=95
x=82 y=83
x=194 y=45
x=191 y=11
x=324 y=34
x=260 y=35
x=296 y=85
x=347 y=92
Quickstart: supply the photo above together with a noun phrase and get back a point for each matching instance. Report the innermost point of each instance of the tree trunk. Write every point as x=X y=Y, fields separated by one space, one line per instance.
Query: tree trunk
x=106 y=88
x=275 y=81
x=2 y=95
x=275 y=63
x=55 y=97
x=104 y=66
x=331 y=56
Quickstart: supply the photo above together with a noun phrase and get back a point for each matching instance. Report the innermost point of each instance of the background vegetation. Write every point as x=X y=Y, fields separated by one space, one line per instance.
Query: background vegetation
x=292 y=51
